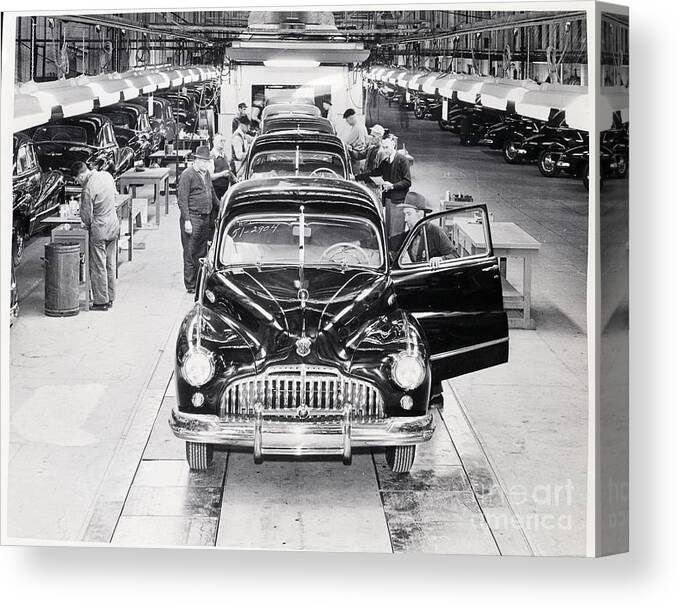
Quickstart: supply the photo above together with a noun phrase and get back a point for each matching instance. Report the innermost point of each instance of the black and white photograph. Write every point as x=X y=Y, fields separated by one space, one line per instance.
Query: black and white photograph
x=324 y=281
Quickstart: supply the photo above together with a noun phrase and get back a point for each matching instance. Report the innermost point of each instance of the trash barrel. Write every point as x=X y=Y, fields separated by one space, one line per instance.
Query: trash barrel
x=62 y=279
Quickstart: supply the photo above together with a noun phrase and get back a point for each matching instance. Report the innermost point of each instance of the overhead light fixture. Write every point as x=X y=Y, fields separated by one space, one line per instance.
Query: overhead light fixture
x=291 y=63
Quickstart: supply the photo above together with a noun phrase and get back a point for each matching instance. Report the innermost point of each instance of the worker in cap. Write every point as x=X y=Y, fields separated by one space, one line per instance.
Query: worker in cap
x=196 y=199
x=355 y=138
x=242 y=113
x=430 y=242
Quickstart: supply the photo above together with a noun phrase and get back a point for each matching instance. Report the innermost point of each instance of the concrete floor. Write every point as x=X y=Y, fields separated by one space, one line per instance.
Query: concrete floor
x=92 y=458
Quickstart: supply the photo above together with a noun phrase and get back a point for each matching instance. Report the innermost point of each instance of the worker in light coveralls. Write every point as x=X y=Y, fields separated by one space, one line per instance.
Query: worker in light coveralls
x=98 y=215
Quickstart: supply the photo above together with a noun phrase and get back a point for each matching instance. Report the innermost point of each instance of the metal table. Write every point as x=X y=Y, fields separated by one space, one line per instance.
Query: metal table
x=132 y=179
x=178 y=156
x=508 y=240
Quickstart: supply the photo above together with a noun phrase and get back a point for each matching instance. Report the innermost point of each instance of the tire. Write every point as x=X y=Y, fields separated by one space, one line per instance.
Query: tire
x=585 y=178
x=622 y=169
x=547 y=164
x=443 y=125
x=199 y=455
x=18 y=244
x=510 y=152
x=400 y=459
x=419 y=113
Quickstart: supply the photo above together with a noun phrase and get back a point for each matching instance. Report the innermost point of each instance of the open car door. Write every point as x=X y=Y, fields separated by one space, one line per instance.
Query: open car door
x=446 y=275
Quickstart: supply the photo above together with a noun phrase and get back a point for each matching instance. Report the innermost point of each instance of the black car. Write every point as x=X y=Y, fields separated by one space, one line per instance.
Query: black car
x=163 y=125
x=132 y=128
x=183 y=109
x=297 y=153
x=427 y=107
x=89 y=138
x=504 y=134
x=575 y=161
x=37 y=194
x=616 y=140
x=297 y=122
x=544 y=147
x=308 y=338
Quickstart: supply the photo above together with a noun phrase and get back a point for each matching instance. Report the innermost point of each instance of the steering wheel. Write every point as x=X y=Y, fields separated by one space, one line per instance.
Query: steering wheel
x=343 y=248
x=320 y=170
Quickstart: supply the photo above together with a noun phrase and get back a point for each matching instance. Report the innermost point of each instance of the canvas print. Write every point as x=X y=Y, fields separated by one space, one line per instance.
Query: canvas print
x=297 y=280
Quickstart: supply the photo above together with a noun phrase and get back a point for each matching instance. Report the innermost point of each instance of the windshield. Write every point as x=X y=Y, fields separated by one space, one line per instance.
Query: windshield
x=121 y=119
x=295 y=162
x=277 y=240
x=75 y=134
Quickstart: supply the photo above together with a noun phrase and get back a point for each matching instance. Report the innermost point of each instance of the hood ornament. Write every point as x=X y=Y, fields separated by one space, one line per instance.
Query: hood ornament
x=303 y=346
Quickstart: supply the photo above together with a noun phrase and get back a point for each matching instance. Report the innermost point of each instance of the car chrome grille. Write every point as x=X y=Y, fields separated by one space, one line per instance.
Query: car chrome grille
x=290 y=388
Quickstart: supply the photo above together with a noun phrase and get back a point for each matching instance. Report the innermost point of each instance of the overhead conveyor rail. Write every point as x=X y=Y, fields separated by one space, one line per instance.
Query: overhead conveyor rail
x=37 y=103
x=520 y=97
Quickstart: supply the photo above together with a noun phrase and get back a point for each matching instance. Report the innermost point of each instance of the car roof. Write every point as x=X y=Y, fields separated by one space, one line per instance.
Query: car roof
x=98 y=119
x=290 y=108
x=318 y=194
x=126 y=106
x=302 y=122
x=307 y=139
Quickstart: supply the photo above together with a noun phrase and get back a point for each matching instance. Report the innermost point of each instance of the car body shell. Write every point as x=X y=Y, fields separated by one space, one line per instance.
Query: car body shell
x=161 y=118
x=554 y=136
x=516 y=128
x=304 y=109
x=36 y=193
x=143 y=139
x=357 y=320
x=183 y=107
x=296 y=122
x=305 y=141
x=88 y=138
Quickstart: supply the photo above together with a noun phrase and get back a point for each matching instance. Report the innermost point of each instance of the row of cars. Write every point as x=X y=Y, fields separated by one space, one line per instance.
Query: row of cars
x=314 y=332
x=553 y=145
x=113 y=139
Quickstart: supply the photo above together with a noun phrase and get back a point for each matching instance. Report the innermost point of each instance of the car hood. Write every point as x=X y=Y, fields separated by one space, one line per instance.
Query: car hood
x=330 y=308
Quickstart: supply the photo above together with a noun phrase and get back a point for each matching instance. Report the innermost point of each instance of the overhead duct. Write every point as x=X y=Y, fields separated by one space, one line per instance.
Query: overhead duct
x=297 y=37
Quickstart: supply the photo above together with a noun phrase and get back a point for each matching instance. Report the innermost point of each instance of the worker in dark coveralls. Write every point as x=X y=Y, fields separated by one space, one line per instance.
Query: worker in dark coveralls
x=395 y=171
x=196 y=199
x=97 y=213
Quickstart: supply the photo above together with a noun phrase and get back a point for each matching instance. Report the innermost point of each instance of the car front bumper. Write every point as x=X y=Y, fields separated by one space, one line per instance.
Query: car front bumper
x=324 y=434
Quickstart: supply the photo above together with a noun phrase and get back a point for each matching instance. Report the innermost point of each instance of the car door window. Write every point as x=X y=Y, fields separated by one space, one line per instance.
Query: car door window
x=107 y=136
x=442 y=238
x=22 y=160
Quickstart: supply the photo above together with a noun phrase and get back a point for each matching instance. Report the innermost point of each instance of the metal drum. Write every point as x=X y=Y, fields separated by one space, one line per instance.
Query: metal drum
x=62 y=274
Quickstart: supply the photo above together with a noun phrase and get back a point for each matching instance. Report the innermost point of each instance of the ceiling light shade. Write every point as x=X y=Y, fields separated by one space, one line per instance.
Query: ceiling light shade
x=291 y=63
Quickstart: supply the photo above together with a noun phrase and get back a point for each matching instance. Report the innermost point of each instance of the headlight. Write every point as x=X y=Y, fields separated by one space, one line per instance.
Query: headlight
x=198 y=367
x=408 y=371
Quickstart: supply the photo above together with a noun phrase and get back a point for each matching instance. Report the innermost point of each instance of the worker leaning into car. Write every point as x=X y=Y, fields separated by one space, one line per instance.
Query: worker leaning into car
x=98 y=215
x=430 y=243
x=196 y=199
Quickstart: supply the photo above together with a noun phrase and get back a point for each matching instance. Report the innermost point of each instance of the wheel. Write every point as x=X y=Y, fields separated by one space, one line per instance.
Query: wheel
x=444 y=125
x=547 y=163
x=400 y=459
x=18 y=244
x=622 y=167
x=510 y=152
x=199 y=455
x=585 y=177
x=419 y=112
